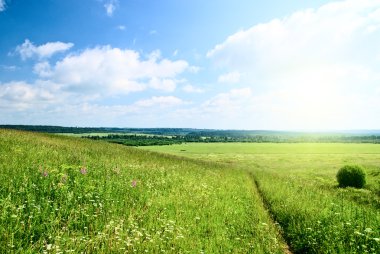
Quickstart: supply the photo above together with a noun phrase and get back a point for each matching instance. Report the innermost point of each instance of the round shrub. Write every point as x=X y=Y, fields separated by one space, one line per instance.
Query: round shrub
x=351 y=176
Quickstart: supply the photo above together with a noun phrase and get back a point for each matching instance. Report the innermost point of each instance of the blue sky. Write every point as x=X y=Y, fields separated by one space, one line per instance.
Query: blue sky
x=281 y=65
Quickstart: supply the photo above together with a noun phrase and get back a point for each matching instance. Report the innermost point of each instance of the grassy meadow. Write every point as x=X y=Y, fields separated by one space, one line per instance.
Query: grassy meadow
x=63 y=194
x=298 y=186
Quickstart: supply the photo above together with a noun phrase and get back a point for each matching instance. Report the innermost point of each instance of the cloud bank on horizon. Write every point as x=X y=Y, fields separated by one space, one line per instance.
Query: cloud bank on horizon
x=314 y=68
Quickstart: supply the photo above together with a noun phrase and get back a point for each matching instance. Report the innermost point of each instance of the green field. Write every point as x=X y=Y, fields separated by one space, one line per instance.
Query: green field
x=297 y=183
x=68 y=195
x=62 y=194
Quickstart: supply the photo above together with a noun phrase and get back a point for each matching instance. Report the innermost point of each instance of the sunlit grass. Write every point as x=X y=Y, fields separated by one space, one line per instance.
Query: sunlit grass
x=67 y=195
x=297 y=181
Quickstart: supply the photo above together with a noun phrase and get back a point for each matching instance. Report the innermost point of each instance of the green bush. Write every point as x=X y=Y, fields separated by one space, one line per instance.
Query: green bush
x=351 y=176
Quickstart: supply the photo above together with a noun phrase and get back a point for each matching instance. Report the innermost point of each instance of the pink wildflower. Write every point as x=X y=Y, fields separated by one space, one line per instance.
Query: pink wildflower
x=45 y=173
x=83 y=170
x=134 y=183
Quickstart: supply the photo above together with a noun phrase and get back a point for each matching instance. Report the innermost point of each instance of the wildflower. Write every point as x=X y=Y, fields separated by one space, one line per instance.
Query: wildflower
x=45 y=173
x=83 y=171
x=134 y=183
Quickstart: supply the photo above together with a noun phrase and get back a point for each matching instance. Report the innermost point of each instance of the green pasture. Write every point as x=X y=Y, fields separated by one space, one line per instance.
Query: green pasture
x=62 y=194
x=297 y=183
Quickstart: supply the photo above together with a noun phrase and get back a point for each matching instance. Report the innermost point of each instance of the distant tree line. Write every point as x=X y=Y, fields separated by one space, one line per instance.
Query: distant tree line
x=84 y=130
x=147 y=140
x=168 y=136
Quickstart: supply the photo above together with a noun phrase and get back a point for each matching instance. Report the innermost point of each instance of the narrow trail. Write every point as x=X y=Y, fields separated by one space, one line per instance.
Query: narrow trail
x=285 y=245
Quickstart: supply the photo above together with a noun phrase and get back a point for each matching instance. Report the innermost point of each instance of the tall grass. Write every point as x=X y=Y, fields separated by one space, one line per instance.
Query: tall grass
x=315 y=220
x=66 y=195
x=298 y=184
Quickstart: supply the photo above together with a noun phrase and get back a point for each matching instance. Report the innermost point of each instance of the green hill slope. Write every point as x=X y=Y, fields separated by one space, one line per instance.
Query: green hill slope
x=61 y=194
x=298 y=184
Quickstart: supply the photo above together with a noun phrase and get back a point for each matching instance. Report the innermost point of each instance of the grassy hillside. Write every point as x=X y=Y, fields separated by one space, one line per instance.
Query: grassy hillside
x=68 y=195
x=297 y=182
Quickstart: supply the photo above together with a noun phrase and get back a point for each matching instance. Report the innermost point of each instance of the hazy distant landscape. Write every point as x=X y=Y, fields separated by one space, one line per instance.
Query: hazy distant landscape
x=169 y=136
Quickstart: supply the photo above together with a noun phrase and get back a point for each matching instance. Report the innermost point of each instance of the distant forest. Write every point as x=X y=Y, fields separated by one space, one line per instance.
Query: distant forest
x=169 y=136
x=84 y=130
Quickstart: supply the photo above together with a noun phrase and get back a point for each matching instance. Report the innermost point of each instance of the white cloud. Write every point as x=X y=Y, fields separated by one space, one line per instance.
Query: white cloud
x=110 y=7
x=76 y=88
x=113 y=71
x=121 y=27
x=230 y=77
x=43 y=69
x=192 y=89
x=22 y=95
x=41 y=102
x=159 y=101
x=2 y=5
x=168 y=85
x=305 y=39
x=28 y=49
x=320 y=57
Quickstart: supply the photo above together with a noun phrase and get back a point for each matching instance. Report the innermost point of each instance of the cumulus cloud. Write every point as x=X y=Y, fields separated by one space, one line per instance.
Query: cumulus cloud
x=42 y=101
x=43 y=69
x=29 y=50
x=110 y=7
x=77 y=86
x=336 y=32
x=230 y=77
x=322 y=56
x=168 y=85
x=21 y=95
x=113 y=71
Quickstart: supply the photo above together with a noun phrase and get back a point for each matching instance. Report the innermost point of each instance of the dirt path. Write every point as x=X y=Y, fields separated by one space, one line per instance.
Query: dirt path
x=285 y=245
